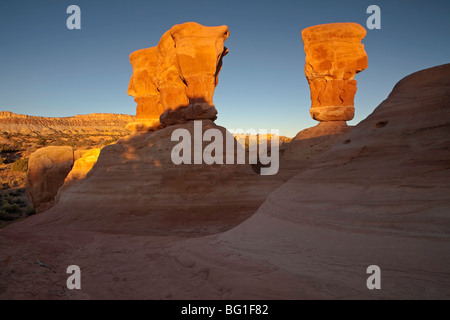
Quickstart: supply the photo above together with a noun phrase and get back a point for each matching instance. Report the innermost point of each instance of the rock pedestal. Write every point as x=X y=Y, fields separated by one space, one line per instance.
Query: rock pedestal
x=334 y=55
x=174 y=82
x=199 y=53
x=144 y=89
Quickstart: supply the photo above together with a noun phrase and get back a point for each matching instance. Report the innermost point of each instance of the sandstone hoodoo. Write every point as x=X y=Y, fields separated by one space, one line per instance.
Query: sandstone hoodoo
x=144 y=90
x=174 y=82
x=334 y=55
x=200 y=51
x=137 y=182
x=170 y=85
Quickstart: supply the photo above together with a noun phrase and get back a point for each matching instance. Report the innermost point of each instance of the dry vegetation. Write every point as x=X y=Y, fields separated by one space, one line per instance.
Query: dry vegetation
x=15 y=149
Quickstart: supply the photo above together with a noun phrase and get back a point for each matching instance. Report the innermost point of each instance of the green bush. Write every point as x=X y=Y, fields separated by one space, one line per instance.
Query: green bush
x=30 y=210
x=14 y=193
x=10 y=207
x=20 y=165
x=6 y=217
x=18 y=201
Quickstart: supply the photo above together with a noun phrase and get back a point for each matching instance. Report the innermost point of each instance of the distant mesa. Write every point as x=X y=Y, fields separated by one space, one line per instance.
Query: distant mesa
x=174 y=82
x=94 y=123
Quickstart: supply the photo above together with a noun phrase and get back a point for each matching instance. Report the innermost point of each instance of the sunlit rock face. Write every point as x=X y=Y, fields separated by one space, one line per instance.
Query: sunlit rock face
x=170 y=85
x=144 y=90
x=199 y=52
x=82 y=166
x=174 y=82
x=334 y=55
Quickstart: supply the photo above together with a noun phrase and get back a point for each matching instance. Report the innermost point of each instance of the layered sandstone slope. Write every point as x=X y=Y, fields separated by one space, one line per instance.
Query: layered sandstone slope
x=311 y=142
x=136 y=188
x=95 y=123
x=382 y=197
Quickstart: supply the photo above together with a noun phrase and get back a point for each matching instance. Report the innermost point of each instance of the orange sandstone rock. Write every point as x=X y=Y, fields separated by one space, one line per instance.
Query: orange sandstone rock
x=199 y=52
x=334 y=55
x=47 y=169
x=144 y=90
x=170 y=85
x=82 y=166
x=175 y=81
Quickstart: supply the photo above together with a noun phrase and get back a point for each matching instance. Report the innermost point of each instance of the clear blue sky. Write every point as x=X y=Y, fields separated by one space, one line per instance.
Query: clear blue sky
x=48 y=70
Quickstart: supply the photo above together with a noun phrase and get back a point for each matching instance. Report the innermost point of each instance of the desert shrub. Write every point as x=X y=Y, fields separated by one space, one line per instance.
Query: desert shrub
x=8 y=148
x=6 y=217
x=30 y=210
x=17 y=200
x=87 y=142
x=16 y=146
x=14 y=193
x=10 y=207
x=109 y=141
x=71 y=143
x=20 y=165
x=41 y=142
x=2 y=161
x=58 y=142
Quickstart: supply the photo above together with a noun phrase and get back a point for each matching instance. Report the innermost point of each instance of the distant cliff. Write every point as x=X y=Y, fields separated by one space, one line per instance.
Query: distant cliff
x=94 y=123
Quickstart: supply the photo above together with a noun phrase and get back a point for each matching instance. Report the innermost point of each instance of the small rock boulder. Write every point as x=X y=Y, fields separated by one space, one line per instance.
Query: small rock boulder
x=47 y=169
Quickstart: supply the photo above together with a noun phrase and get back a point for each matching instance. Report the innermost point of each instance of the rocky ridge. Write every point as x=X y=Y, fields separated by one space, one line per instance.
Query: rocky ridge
x=95 y=123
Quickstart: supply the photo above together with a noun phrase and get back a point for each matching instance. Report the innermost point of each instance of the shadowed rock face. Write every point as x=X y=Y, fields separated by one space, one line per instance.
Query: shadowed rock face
x=334 y=54
x=175 y=81
x=135 y=188
x=47 y=169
